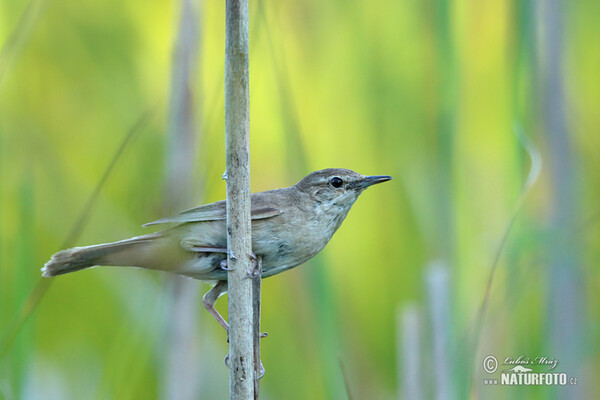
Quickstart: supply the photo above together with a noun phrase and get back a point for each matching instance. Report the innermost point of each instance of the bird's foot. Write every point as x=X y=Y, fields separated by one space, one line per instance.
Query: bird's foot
x=256 y=266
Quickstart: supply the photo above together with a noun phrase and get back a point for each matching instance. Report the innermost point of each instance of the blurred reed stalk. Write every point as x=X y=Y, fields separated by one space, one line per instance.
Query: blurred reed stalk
x=409 y=352
x=437 y=279
x=565 y=297
x=182 y=366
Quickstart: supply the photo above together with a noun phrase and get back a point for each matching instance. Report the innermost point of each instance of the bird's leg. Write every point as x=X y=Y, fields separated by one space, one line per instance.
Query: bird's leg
x=209 y=300
x=213 y=294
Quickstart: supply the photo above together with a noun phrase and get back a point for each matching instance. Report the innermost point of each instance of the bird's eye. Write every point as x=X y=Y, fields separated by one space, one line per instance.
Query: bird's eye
x=336 y=182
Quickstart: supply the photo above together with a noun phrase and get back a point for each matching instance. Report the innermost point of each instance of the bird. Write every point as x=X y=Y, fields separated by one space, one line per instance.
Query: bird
x=289 y=227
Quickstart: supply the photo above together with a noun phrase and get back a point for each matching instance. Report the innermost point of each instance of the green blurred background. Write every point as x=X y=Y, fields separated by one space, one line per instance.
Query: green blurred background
x=454 y=99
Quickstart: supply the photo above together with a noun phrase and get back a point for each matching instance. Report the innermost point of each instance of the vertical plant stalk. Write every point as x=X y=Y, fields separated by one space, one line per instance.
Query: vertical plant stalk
x=180 y=377
x=239 y=240
x=409 y=354
x=566 y=311
x=438 y=292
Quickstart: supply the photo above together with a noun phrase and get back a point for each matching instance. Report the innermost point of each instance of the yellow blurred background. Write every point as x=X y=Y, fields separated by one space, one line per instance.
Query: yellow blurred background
x=454 y=99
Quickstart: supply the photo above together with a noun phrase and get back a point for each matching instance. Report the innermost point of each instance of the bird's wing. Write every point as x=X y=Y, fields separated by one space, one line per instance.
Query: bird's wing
x=213 y=212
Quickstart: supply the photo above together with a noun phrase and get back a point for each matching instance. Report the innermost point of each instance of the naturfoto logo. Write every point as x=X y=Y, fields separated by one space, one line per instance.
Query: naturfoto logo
x=522 y=372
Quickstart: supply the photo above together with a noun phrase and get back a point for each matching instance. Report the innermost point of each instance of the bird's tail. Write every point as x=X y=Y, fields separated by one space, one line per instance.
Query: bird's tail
x=125 y=252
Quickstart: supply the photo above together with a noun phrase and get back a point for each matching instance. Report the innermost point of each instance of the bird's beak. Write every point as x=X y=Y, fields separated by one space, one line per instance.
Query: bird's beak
x=371 y=180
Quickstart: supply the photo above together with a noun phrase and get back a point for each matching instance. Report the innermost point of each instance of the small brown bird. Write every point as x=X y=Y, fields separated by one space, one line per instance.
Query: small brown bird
x=289 y=227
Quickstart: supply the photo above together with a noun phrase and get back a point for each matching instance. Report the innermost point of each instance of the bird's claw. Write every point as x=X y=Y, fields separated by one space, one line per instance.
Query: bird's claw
x=252 y=274
x=223 y=266
x=261 y=371
x=256 y=267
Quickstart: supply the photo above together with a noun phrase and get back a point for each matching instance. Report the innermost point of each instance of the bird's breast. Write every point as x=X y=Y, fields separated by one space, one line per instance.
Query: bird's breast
x=286 y=241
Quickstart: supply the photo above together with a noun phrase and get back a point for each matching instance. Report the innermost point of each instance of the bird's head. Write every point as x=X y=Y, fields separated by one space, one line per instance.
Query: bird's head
x=337 y=187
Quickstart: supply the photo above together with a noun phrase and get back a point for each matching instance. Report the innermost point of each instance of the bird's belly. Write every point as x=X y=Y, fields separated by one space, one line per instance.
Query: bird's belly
x=281 y=254
x=206 y=266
